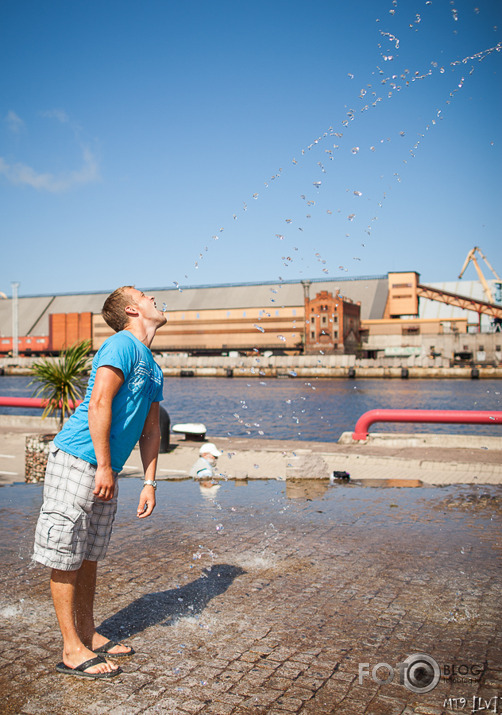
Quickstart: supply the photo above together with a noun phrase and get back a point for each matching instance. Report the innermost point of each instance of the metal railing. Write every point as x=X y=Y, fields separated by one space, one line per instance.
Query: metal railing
x=472 y=417
x=35 y=402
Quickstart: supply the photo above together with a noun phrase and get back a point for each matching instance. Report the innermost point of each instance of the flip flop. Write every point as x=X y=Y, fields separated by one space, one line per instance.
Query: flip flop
x=80 y=669
x=106 y=648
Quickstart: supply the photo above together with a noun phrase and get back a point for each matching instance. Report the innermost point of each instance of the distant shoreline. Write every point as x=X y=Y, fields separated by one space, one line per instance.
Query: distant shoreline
x=292 y=371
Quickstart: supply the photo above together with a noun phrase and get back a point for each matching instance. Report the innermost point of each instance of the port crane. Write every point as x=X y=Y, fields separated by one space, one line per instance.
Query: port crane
x=471 y=258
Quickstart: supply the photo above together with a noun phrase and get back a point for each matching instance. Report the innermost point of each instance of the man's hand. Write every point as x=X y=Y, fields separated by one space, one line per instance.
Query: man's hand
x=146 y=501
x=105 y=483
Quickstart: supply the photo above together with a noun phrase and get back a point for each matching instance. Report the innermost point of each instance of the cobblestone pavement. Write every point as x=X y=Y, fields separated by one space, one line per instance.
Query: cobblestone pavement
x=266 y=597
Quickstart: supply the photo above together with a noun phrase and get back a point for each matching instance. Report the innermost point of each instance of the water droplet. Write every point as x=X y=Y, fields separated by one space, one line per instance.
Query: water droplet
x=355 y=149
x=317 y=184
x=258 y=327
x=358 y=193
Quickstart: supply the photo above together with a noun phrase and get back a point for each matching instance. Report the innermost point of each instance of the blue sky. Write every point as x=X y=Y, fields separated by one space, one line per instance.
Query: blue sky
x=158 y=143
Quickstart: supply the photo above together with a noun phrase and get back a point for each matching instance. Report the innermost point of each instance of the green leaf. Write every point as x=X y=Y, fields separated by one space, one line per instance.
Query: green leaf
x=62 y=381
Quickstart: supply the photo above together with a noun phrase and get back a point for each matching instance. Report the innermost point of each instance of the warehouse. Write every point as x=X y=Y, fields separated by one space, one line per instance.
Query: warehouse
x=201 y=320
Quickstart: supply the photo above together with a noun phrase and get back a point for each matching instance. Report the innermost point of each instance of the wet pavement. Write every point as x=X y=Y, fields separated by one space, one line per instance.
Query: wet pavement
x=270 y=597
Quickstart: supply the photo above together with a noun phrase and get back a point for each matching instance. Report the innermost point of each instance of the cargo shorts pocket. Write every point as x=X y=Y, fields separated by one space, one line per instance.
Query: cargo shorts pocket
x=62 y=532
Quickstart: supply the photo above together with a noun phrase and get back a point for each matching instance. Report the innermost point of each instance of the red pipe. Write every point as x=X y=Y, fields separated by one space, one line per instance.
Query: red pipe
x=27 y=402
x=473 y=417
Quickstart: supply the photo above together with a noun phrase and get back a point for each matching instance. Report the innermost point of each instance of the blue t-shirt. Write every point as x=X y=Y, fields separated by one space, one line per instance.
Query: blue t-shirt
x=143 y=383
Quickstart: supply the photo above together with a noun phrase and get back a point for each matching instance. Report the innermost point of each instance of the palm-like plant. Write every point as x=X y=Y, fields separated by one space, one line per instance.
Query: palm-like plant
x=62 y=381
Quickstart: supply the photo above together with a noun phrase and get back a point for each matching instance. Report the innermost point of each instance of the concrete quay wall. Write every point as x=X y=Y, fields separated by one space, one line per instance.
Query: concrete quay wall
x=302 y=366
x=317 y=366
x=335 y=372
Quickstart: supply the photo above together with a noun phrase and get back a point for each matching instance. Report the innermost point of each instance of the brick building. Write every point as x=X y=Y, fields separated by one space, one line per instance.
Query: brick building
x=332 y=323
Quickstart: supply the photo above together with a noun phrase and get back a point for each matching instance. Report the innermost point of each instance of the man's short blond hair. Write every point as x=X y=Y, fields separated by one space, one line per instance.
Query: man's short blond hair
x=113 y=310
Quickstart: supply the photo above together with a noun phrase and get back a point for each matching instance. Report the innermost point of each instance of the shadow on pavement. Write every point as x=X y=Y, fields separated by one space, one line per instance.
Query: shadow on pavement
x=166 y=607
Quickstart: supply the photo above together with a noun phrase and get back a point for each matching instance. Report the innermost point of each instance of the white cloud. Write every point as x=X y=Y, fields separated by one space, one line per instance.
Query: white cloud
x=14 y=122
x=58 y=114
x=24 y=175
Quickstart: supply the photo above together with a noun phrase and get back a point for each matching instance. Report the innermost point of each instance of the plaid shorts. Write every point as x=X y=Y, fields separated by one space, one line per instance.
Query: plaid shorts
x=73 y=524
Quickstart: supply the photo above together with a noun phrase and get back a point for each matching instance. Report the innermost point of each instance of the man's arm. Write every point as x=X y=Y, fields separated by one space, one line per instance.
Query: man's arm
x=149 y=444
x=107 y=383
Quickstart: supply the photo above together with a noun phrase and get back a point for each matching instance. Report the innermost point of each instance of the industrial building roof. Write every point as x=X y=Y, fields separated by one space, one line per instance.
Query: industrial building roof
x=371 y=291
x=33 y=311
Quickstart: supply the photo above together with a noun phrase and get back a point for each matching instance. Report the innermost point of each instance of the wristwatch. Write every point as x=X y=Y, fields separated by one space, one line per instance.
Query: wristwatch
x=150 y=483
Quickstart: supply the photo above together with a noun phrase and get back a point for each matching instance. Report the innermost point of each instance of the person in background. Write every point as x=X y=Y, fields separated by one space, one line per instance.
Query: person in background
x=121 y=406
x=203 y=469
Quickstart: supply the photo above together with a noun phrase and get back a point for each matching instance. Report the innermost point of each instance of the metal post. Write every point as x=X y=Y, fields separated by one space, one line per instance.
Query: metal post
x=15 y=321
x=306 y=323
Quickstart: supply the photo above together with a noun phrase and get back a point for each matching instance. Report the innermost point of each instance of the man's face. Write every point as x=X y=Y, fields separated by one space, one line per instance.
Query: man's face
x=146 y=306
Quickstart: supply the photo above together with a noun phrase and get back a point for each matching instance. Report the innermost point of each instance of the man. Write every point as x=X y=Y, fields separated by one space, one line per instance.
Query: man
x=121 y=406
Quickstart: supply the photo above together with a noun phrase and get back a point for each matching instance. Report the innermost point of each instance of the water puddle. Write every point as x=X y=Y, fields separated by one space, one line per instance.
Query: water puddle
x=388 y=482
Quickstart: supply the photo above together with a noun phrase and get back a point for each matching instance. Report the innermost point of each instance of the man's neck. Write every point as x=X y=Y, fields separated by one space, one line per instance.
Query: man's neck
x=144 y=333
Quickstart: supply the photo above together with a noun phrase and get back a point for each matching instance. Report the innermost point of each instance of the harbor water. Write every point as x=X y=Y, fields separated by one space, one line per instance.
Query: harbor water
x=299 y=409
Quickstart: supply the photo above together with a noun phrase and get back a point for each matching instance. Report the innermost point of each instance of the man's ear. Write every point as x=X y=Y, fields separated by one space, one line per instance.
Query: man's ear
x=131 y=310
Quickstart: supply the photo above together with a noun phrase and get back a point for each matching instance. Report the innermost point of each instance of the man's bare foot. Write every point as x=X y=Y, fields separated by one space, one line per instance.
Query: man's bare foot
x=102 y=645
x=81 y=655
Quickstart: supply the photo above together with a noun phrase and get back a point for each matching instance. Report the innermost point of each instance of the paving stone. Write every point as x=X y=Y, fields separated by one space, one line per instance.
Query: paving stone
x=219 y=708
x=289 y=703
x=277 y=620
x=385 y=706
x=261 y=698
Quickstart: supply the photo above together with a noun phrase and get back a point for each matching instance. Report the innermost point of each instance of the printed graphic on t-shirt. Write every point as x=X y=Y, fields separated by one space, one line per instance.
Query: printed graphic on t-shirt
x=144 y=378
